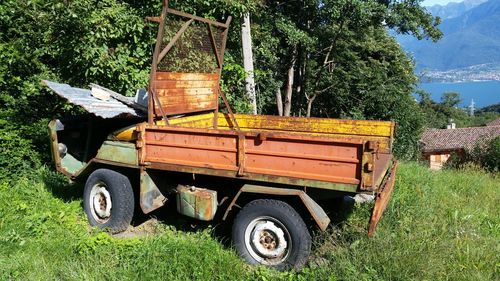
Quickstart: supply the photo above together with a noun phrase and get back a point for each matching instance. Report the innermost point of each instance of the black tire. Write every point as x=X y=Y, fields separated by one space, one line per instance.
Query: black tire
x=261 y=218
x=115 y=196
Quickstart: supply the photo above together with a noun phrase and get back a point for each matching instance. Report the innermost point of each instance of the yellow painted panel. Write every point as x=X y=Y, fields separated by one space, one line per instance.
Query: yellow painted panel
x=381 y=131
x=312 y=125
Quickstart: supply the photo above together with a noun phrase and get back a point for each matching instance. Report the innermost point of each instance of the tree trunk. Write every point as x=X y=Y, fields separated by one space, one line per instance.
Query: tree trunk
x=279 y=101
x=246 y=41
x=309 y=105
x=289 y=85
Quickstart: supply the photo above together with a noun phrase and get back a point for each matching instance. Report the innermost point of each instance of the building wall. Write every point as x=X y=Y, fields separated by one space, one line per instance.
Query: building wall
x=437 y=161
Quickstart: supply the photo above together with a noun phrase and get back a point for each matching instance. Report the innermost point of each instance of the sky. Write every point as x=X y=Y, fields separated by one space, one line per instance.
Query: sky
x=440 y=2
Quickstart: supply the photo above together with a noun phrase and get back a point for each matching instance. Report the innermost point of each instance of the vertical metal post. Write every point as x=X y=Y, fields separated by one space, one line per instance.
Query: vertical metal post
x=154 y=64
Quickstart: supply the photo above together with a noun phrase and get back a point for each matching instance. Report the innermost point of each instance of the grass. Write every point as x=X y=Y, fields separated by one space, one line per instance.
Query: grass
x=439 y=226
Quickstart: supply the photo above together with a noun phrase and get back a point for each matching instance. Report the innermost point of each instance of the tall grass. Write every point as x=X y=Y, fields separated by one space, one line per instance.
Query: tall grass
x=439 y=226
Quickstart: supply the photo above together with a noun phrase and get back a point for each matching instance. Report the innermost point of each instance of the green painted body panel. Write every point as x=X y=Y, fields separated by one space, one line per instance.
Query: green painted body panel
x=71 y=164
x=116 y=151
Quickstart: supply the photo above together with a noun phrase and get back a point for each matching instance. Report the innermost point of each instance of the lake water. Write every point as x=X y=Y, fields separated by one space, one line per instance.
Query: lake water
x=484 y=93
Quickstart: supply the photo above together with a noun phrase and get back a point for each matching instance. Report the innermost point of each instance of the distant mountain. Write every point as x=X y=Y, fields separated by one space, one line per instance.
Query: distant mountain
x=491 y=108
x=473 y=38
x=452 y=10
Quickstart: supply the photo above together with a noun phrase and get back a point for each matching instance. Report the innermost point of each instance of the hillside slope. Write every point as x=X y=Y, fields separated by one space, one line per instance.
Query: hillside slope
x=473 y=38
x=454 y=9
x=439 y=226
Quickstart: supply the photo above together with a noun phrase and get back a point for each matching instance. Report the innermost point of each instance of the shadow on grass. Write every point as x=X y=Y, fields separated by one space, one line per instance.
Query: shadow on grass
x=168 y=215
x=338 y=210
x=61 y=187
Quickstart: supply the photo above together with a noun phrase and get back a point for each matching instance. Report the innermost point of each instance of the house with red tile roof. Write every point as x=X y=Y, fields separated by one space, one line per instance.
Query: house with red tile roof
x=439 y=144
x=494 y=123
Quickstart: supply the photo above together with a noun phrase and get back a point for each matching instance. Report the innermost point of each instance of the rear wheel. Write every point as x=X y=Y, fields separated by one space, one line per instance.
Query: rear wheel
x=271 y=233
x=108 y=200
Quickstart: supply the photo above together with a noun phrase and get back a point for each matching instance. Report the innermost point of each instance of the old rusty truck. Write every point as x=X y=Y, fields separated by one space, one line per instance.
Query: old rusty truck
x=272 y=177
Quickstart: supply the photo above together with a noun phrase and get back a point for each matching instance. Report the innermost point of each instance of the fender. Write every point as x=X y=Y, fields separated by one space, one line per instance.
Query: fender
x=317 y=213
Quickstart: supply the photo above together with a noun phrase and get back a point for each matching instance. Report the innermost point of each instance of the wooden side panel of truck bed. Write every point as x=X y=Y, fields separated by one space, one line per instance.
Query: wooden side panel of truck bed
x=282 y=150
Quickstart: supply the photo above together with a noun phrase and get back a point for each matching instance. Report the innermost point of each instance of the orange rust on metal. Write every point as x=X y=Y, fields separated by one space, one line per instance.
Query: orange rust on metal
x=151 y=197
x=186 y=92
x=171 y=76
x=241 y=155
x=372 y=145
x=154 y=19
x=196 y=202
x=298 y=156
x=54 y=146
x=179 y=93
x=254 y=176
x=275 y=135
x=140 y=143
x=383 y=163
x=368 y=164
x=152 y=99
x=382 y=199
x=318 y=214
x=262 y=136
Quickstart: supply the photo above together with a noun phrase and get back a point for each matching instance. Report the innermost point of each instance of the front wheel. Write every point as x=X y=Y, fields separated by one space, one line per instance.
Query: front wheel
x=108 y=200
x=271 y=233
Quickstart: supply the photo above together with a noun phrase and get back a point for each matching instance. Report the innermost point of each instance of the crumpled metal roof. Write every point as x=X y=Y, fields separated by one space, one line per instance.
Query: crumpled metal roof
x=111 y=108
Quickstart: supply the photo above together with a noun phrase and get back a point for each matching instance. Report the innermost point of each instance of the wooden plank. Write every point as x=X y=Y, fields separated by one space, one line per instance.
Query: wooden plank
x=185 y=108
x=178 y=84
x=168 y=101
x=200 y=105
x=176 y=76
x=185 y=92
x=183 y=111
x=207 y=93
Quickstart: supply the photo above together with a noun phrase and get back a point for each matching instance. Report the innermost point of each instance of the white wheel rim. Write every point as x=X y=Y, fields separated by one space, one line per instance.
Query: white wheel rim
x=100 y=202
x=267 y=240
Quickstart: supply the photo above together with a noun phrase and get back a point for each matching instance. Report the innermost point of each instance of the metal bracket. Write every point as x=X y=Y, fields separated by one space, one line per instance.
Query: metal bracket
x=382 y=199
x=151 y=198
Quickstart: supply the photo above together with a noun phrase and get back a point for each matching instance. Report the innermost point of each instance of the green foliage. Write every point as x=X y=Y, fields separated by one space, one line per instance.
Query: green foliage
x=437 y=226
x=17 y=156
x=492 y=155
x=233 y=87
x=491 y=108
x=486 y=156
x=438 y=115
x=345 y=63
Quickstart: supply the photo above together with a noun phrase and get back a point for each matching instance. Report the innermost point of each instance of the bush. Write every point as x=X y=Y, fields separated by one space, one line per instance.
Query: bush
x=482 y=156
x=17 y=155
x=491 y=157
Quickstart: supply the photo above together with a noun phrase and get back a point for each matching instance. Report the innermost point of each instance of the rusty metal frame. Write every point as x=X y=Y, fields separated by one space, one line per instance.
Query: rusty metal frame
x=382 y=199
x=174 y=39
x=239 y=170
x=317 y=213
x=158 y=55
x=152 y=97
x=151 y=197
